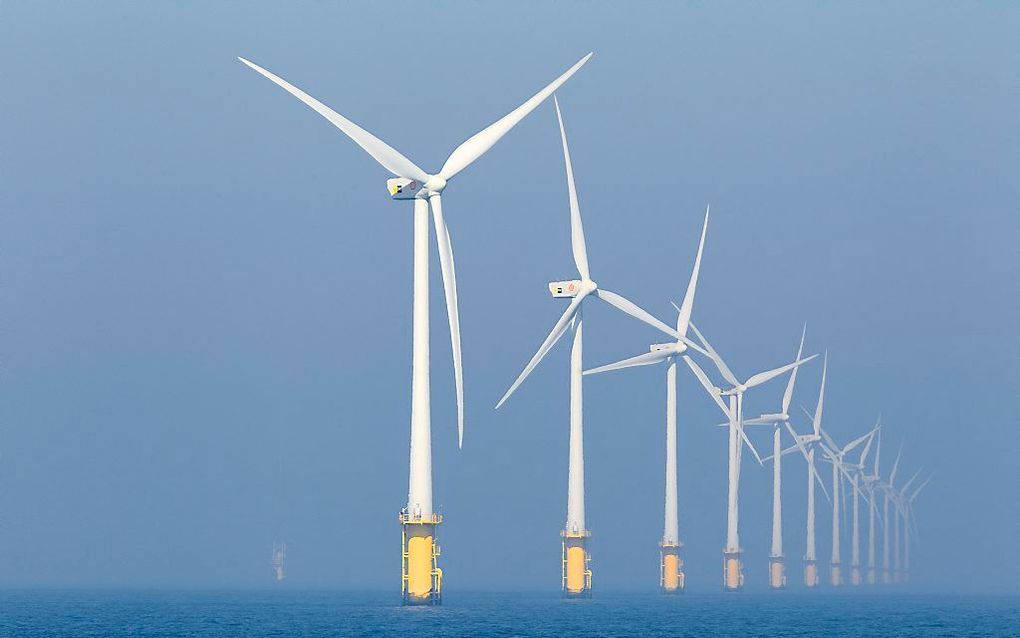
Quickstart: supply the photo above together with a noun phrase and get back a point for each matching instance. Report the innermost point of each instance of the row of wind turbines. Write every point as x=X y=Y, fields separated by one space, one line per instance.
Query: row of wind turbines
x=421 y=576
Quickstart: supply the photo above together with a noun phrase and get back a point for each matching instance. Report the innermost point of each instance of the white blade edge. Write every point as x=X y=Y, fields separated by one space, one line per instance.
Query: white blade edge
x=684 y=316
x=747 y=441
x=633 y=310
x=896 y=464
x=705 y=383
x=645 y=359
x=476 y=145
x=861 y=439
x=714 y=356
x=577 y=243
x=788 y=395
x=390 y=158
x=550 y=341
x=762 y=377
x=452 y=312
x=816 y=422
x=690 y=344
x=867 y=446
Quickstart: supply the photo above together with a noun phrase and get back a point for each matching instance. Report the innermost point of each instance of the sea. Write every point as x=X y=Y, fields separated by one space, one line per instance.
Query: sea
x=285 y=614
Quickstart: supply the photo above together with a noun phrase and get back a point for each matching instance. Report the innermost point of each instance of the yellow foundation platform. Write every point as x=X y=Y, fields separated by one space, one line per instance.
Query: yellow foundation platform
x=777 y=572
x=576 y=564
x=671 y=569
x=421 y=580
x=872 y=576
x=733 y=571
x=810 y=573
x=835 y=575
x=855 y=576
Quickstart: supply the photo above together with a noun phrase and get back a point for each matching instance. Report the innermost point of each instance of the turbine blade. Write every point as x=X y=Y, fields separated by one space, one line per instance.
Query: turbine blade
x=390 y=158
x=577 y=243
x=558 y=329
x=452 y=312
x=747 y=442
x=817 y=420
x=645 y=359
x=762 y=377
x=705 y=383
x=476 y=145
x=684 y=316
x=719 y=363
x=633 y=310
x=788 y=395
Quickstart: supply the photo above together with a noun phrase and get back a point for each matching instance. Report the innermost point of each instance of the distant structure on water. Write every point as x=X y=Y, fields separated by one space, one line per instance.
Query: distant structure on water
x=279 y=556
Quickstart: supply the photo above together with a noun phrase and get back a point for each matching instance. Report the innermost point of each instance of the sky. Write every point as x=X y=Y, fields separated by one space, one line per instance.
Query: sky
x=205 y=288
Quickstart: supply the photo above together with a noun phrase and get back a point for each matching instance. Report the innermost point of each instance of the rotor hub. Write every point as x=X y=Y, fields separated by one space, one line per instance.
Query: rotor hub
x=435 y=184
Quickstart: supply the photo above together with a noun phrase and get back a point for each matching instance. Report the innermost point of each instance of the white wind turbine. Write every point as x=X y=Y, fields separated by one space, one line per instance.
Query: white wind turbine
x=887 y=488
x=858 y=475
x=870 y=483
x=909 y=522
x=577 y=576
x=421 y=576
x=733 y=576
x=671 y=574
x=807 y=443
x=900 y=515
x=836 y=455
x=777 y=567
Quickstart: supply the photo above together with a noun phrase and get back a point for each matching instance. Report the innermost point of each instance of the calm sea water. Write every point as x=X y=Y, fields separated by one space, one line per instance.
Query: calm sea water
x=285 y=614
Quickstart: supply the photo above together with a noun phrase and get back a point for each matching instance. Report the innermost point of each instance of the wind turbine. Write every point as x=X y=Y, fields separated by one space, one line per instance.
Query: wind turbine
x=900 y=515
x=807 y=443
x=777 y=560
x=836 y=455
x=908 y=502
x=671 y=575
x=870 y=483
x=733 y=573
x=421 y=577
x=887 y=488
x=858 y=475
x=576 y=559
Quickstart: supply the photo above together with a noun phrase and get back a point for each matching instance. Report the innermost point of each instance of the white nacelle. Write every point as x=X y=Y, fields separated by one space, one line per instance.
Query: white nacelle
x=403 y=188
x=656 y=347
x=565 y=288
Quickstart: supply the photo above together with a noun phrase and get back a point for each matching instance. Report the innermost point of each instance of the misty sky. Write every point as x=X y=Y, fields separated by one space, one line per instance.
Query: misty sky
x=205 y=289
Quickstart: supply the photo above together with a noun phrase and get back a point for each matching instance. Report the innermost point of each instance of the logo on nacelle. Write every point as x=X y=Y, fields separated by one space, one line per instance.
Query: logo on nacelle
x=565 y=288
x=403 y=188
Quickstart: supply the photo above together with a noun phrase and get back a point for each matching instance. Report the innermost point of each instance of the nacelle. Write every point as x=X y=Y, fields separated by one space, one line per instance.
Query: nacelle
x=403 y=188
x=656 y=347
x=565 y=288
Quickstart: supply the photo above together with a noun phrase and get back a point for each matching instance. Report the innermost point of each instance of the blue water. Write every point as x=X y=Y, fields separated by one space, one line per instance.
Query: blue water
x=285 y=614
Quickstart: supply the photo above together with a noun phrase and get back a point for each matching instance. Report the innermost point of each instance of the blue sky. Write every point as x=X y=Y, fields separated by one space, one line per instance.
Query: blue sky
x=205 y=328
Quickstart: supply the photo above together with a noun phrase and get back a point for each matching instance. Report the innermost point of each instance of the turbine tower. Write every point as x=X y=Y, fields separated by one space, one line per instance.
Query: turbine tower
x=671 y=575
x=421 y=578
x=777 y=559
x=733 y=571
x=576 y=560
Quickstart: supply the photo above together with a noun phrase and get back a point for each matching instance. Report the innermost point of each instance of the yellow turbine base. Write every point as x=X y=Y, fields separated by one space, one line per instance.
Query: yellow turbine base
x=811 y=574
x=777 y=574
x=671 y=569
x=733 y=577
x=837 y=576
x=421 y=577
x=855 y=576
x=576 y=564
